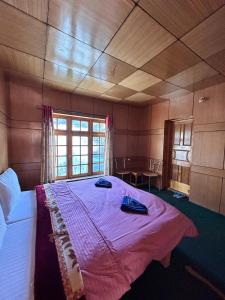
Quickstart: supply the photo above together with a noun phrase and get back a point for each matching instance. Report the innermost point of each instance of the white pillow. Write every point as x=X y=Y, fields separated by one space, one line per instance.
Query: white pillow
x=9 y=191
x=2 y=226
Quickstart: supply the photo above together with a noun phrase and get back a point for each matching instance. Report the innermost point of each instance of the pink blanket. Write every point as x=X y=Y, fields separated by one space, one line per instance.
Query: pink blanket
x=113 y=248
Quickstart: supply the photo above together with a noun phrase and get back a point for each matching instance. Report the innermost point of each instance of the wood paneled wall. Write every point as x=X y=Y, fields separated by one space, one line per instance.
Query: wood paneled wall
x=208 y=160
x=25 y=126
x=4 y=95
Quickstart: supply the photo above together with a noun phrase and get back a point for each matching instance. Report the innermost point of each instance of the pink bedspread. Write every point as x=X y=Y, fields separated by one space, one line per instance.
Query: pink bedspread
x=113 y=247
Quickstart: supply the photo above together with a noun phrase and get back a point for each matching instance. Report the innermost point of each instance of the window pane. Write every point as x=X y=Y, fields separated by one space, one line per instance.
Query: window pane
x=95 y=150
x=62 y=161
x=62 y=150
x=95 y=140
x=102 y=149
x=75 y=125
x=102 y=140
x=62 y=124
x=61 y=139
x=95 y=127
x=101 y=168
x=84 y=159
x=101 y=158
x=95 y=158
x=84 y=140
x=76 y=140
x=61 y=171
x=84 y=169
x=55 y=123
x=84 y=126
x=102 y=127
x=76 y=160
x=76 y=150
x=76 y=170
x=84 y=150
x=95 y=167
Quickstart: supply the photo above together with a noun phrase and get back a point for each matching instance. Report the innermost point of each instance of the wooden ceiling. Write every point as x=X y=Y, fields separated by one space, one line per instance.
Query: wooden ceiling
x=118 y=50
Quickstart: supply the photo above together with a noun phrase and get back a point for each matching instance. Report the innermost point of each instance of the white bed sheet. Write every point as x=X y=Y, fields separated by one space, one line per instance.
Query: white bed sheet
x=17 y=261
x=25 y=209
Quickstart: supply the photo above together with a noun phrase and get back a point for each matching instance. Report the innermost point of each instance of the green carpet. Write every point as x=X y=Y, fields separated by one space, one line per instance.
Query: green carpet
x=206 y=254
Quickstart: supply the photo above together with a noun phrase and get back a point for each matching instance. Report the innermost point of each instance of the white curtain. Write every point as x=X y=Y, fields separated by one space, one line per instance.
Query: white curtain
x=48 y=149
x=108 y=162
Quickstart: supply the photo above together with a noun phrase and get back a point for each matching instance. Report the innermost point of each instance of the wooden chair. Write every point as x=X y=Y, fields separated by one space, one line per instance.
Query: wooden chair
x=121 y=172
x=136 y=175
x=154 y=167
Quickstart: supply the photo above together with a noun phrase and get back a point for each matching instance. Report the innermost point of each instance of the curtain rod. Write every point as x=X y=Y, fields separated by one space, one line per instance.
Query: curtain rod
x=68 y=112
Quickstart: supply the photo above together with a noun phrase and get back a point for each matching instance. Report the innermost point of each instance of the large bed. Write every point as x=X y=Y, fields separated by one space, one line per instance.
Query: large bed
x=101 y=249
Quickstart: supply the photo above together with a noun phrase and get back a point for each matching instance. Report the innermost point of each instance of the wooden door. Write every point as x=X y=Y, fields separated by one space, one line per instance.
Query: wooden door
x=181 y=156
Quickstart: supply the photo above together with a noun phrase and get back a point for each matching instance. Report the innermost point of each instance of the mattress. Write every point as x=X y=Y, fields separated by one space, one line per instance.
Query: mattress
x=25 y=208
x=17 y=257
x=112 y=247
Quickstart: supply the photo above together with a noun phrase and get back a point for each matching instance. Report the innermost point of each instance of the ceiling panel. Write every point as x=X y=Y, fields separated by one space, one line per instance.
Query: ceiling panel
x=67 y=51
x=139 y=39
x=120 y=92
x=208 y=38
x=96 y=85
x=192 y=75
x=139 y=81
x=171 y=61
x=180 y=16
x=59 y=73
x=161 y=88
x=91 y=21
x=15 y=31
x=62 y=86
x=217 y=79
x=217 y=61
x=111 y=69
x=35 y=8
x=140 y=97
x=18 y=61
x=177 y=93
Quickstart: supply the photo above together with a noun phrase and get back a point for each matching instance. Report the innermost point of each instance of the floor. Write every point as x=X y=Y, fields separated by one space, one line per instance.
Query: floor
x=206 y=254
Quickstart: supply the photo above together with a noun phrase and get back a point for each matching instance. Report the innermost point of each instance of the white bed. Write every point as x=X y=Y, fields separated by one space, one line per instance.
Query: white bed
x=17 y=254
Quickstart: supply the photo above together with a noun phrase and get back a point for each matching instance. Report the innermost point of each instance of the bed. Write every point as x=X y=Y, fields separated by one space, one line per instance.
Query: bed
x=101 y=249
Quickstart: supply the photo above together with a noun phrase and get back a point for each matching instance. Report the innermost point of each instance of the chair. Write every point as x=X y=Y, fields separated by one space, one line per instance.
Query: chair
x=154 y=167
x=121 y=172
x=135 y=174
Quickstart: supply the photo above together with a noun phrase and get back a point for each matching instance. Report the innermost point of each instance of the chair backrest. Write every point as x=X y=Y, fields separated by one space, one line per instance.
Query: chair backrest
x=123 y=163
x=154 y=165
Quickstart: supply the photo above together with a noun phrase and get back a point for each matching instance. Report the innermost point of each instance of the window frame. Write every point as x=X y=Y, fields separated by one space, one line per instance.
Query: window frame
x=70 y=133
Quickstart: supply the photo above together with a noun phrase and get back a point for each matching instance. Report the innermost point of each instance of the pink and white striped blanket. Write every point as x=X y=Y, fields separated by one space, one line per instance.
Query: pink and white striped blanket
x=113 y=248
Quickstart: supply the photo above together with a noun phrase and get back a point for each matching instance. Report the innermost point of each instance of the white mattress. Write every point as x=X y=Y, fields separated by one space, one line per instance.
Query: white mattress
x=25 y=208
x=17 y=261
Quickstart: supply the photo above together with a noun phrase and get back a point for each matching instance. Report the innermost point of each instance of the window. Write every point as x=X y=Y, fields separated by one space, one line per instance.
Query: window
x=80 y=146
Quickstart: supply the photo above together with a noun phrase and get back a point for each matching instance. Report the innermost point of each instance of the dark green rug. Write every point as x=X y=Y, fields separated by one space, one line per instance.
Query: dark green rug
x=205 y=254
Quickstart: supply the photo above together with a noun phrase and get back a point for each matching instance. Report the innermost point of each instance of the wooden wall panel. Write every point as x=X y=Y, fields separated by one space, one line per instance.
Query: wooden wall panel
x=102 y=107
x=208 y=149
x=24 y=145
x=81 y=104
x=159 y=114
x=120 y=116
x=181 y=107
x=3 y=122
x=27 y=98
x=156 y=146
x=213 y=110
x=120 y=145
x=206 y=190
x=56 y=99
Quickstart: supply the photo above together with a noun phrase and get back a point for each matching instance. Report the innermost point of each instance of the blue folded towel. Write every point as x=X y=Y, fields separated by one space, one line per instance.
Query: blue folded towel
x=103 y=183
x=131 y=205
